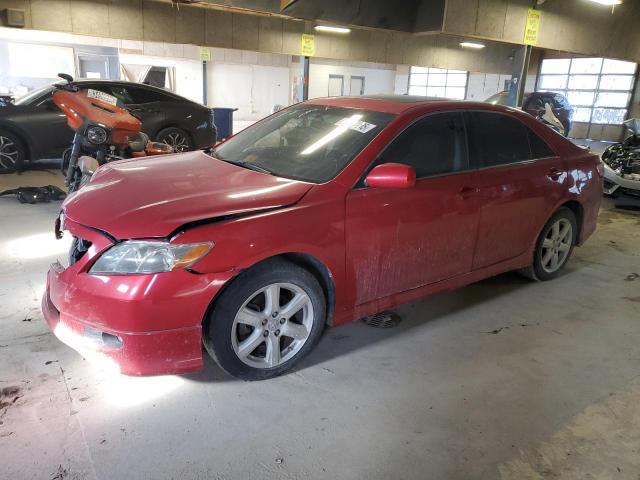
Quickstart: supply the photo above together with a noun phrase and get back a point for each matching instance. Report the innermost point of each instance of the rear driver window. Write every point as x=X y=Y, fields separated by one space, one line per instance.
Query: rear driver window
x=498 y=139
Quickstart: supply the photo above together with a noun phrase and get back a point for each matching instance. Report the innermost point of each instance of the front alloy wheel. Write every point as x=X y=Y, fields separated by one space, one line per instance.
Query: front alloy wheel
x=266 y=320
x=267 y=333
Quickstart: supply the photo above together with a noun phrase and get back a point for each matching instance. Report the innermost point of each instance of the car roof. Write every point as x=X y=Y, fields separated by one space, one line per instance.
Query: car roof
x=134 y=84
x=397 y=104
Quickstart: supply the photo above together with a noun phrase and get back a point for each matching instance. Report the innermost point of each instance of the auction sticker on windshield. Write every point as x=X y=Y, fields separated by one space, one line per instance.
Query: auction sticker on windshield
x=353 y=123
x=105 y=97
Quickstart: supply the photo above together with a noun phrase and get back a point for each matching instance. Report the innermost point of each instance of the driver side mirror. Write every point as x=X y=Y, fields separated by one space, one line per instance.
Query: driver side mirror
x=391 y=175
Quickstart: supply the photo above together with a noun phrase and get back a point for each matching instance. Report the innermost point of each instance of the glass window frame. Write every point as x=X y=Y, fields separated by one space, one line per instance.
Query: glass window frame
x=416 y=71
x=595 y=91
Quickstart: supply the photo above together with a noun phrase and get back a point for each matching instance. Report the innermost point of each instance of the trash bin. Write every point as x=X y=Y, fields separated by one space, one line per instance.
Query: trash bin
x=223 y=119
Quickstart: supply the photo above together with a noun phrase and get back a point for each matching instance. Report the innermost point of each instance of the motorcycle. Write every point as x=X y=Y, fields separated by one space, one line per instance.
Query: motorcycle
x=105 y=131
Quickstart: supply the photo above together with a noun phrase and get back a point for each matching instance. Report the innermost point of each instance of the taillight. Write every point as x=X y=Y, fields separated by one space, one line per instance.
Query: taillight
x=600 y=168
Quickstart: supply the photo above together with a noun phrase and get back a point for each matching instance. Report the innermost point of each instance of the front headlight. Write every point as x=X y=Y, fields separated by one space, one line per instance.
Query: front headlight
x=137 y=256
x=97 y=135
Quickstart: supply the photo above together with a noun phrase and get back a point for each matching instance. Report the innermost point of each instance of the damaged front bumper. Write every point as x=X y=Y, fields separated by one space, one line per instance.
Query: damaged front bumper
x=137 y=324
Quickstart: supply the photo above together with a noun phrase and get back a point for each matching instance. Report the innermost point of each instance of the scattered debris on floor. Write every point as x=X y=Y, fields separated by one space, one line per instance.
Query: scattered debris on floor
x=631 y=277
x=36 y=194
x=49 y=362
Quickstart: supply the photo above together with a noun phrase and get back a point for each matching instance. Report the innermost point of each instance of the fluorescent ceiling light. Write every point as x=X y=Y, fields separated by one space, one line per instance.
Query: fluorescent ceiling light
x=327 y=28
x=472 y=45
x=608 y=2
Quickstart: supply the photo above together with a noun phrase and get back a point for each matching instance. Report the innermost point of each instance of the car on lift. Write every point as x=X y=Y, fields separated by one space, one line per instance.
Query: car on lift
x=535 y=104
x=322 y=213
x=33 y=128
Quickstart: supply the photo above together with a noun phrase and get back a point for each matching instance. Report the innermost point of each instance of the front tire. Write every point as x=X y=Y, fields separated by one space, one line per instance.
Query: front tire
x=554 y=246
x=266 y=321
x=12 y=152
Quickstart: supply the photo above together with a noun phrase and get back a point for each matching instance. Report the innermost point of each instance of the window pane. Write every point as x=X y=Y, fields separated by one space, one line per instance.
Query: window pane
x=553 y=82
x=413 y=90
x=616 y=82
x=618 y=66
x=419 y=70
x=419 y=79
x=437 y=70
x=555 y=65
x=581 y=114
x=583 y=82
x=457 y=80
x=608 y=115
x=436 y=92
x=499 y=139
x=437 y=80
x=455 y=92
x=586 y=65
x=434 y=145
x=539 y=148
x=581 y=98
x=610 y=99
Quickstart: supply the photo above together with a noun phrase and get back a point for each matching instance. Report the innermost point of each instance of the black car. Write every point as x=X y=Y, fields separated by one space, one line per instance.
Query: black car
x=33 y=128
x=534 y=104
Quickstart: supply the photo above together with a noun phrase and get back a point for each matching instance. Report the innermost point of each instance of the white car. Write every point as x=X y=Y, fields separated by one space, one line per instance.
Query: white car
x=622 y=165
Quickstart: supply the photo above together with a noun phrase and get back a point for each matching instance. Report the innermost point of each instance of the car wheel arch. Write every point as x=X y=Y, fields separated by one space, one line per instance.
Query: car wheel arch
x=23 y=139
x=304 y=260
x=578 y=210
x=172 y=125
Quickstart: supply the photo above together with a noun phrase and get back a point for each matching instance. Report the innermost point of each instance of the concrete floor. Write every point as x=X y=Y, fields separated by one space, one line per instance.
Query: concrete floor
x=502 y=379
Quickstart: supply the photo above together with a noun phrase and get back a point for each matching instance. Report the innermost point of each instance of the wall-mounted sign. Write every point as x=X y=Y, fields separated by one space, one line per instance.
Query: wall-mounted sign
x=532 y=28
x=205 y=54
x=308 y=45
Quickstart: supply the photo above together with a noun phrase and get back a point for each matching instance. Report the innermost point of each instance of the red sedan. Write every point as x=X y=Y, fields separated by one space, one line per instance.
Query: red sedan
x=320 y=214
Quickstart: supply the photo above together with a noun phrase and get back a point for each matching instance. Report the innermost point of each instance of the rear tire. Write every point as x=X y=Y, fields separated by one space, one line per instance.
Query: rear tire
x=553 y=247
x=12 y=152
x=266 y=321
x=179 y=140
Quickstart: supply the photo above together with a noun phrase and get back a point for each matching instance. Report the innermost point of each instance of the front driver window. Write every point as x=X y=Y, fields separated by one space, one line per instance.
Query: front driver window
x=434 y=145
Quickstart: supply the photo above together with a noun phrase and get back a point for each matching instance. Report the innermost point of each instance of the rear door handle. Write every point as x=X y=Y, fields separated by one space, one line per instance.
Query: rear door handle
x=554 y=173
x=468 y=192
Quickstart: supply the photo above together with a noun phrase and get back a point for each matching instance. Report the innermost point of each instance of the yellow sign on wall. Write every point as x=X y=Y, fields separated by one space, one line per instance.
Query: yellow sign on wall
x=532 y=28
x=307 y=45
x=205 y=54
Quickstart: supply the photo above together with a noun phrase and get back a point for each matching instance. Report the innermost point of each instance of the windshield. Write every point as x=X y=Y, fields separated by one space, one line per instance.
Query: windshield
x=502 y=98
x=312 y=143
x=33 y=95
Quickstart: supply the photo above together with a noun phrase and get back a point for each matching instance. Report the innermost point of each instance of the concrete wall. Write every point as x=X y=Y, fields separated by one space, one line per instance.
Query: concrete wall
x=481 y=86
x=379 y=78
x=575 y=26
x=250 y=81
x=159 y=21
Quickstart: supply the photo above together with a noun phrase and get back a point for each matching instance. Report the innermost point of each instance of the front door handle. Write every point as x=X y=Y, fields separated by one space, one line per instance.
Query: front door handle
x=468 y=192
x=554 y=173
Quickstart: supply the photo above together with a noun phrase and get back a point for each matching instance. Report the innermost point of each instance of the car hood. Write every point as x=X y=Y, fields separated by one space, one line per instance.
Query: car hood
x=154 y=196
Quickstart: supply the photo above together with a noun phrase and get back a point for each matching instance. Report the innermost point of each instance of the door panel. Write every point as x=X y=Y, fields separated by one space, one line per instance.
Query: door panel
x=401 y=239
x=356 y=85
x=48 y=129
x=336 y=86
x=518 y=183
x=514 y=201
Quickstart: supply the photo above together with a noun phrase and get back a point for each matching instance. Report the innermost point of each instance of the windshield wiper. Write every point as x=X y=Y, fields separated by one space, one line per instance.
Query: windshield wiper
x=250 y=166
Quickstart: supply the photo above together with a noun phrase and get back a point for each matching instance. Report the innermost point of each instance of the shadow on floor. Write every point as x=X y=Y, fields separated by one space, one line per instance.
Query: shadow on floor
x=343 y=340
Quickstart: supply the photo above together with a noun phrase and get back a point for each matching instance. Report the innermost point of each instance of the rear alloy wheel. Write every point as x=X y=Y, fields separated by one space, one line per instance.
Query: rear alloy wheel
x=266 y=321
x=177 y=138
x=554 y=246
x=11 y=153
